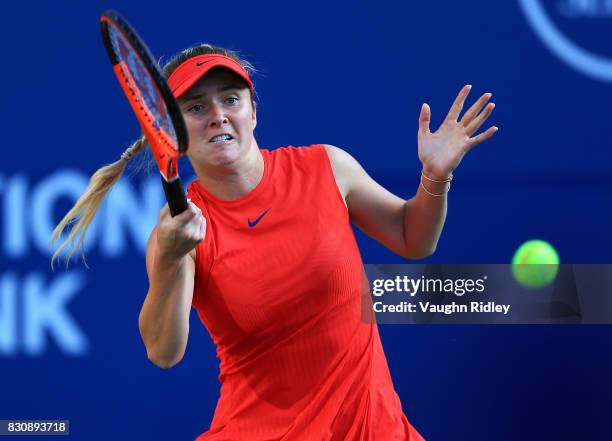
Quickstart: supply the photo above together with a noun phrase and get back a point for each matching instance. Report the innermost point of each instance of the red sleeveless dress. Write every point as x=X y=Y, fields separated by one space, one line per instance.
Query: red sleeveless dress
x=281 y=289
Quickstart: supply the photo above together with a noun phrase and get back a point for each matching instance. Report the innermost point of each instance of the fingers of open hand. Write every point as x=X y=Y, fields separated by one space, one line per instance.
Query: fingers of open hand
x=457 y=106
x=424 y=119
x=477 y=122
x=481 y=137
x=475 y=110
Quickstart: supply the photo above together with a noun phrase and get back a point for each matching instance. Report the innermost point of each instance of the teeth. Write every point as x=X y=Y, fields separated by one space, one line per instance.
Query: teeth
x=221 y=138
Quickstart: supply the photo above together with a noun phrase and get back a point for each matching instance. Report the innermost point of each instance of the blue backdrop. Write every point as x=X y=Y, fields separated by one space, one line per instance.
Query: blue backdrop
x=349 y=73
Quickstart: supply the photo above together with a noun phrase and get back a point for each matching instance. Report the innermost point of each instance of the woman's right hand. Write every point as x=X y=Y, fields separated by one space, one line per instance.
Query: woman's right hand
x=177 y=236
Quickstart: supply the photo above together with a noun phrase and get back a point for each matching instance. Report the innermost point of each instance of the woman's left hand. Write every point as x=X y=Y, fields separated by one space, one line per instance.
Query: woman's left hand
x=442 y=151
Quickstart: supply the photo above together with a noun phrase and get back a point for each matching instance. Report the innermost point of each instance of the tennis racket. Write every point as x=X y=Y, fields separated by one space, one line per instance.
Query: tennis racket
x=152 y=101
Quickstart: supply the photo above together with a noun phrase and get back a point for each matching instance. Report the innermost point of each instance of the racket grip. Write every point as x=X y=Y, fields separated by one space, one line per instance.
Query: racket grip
x=175 y=195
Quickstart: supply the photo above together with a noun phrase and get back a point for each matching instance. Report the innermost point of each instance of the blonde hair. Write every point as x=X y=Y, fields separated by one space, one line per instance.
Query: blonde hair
x=86 y=207
x=82 y=214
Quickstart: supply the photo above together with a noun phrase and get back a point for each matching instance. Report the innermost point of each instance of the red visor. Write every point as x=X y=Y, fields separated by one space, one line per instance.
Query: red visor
x=194 y=68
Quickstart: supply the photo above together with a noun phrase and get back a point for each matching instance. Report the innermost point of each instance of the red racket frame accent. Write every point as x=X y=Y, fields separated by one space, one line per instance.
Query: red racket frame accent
x=165 y=150
x=163 y=146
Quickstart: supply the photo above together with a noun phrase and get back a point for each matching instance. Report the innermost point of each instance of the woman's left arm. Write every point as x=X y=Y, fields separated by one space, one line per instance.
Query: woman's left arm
x=412 y=228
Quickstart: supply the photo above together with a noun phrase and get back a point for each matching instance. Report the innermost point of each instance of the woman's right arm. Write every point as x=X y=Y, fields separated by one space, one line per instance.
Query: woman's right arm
x=164 y=317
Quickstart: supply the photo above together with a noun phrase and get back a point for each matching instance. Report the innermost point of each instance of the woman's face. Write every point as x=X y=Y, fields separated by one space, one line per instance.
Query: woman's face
x=220 y=118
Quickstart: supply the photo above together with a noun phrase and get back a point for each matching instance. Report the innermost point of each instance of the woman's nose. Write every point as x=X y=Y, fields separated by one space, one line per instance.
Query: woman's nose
x=217 y=116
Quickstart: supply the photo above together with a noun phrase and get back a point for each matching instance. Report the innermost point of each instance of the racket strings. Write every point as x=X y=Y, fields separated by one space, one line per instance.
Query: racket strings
x=143 y=89
x=152 y=118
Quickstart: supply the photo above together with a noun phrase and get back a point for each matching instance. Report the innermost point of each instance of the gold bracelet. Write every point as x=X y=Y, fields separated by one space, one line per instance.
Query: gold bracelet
x=450 y=178
x=434 y=194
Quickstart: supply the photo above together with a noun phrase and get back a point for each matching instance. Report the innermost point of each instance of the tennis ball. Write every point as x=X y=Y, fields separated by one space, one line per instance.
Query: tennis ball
x=535 y=264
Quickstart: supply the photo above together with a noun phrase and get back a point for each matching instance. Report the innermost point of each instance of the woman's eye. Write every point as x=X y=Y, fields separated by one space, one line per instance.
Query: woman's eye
x=196 y=108
x=232 y=100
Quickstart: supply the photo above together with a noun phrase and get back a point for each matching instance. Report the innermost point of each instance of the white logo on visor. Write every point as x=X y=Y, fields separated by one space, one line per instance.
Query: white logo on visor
x=587 y=63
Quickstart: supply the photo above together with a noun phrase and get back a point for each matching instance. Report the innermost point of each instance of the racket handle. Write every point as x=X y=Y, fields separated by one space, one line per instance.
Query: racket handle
x=175 y=195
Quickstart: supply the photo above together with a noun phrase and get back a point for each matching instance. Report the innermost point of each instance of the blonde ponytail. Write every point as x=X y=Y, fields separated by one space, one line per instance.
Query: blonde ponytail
x=86 y=207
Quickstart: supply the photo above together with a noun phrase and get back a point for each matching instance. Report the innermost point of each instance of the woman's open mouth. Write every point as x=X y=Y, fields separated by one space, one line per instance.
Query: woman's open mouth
x=221 y=139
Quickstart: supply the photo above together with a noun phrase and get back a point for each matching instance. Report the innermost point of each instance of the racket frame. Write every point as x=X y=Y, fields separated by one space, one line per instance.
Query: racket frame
x=165 y=150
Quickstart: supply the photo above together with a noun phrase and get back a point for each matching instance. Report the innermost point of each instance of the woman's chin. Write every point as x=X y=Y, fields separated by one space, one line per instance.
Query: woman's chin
x=223 y=157
x=217 y=155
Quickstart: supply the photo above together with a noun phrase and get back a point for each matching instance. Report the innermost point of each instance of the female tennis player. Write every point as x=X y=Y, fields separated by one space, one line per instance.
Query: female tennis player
x=266 y=255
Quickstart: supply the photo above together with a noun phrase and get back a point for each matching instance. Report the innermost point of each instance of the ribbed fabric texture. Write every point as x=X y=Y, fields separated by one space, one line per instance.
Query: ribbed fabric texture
x=280 y=287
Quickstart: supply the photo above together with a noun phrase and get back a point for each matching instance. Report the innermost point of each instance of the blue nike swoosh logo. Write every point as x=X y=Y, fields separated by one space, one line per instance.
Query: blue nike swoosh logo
x=256 y=221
